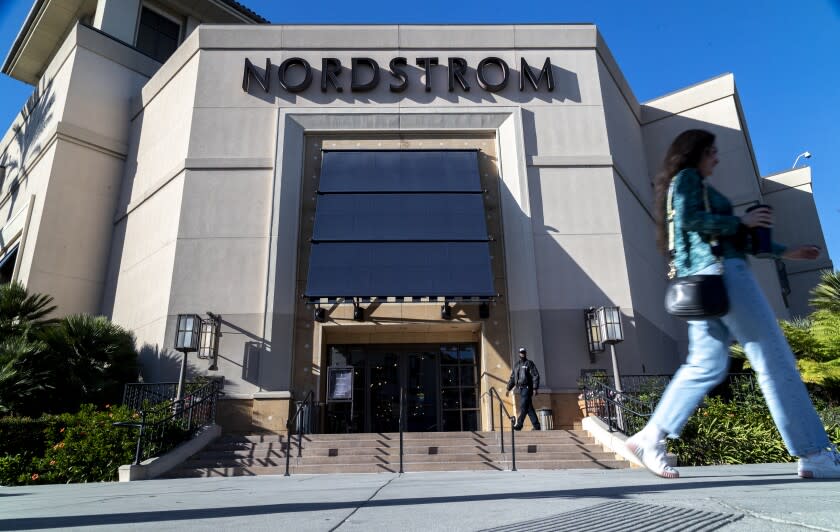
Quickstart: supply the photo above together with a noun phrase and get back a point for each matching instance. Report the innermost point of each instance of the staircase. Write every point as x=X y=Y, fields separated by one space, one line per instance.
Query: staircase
x=246 y=455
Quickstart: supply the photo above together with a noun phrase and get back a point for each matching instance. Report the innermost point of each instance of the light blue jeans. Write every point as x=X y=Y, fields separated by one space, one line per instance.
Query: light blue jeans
x=751 y=321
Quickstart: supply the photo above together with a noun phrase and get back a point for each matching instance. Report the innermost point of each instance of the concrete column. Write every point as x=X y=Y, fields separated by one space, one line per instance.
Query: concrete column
x=117 y=18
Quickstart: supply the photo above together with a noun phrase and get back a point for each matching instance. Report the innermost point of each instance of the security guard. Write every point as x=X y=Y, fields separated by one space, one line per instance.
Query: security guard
x=526 y=378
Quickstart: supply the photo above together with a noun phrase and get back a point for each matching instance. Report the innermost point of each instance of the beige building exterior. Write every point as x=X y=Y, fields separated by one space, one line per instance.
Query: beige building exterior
x=142 y=185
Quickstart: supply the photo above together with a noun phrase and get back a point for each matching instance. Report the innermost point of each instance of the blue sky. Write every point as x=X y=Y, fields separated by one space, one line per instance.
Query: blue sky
x=785 y=56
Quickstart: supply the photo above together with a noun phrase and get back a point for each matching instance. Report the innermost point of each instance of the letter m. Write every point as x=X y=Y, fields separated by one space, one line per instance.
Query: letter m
x=251 y=72
x=526 y=72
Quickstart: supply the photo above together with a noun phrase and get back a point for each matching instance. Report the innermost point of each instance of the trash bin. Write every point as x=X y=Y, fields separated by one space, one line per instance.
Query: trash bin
x=546 y=418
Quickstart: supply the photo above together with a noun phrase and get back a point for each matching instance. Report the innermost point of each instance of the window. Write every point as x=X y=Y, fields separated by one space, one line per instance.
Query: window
x=7 y=265
x=157 y=35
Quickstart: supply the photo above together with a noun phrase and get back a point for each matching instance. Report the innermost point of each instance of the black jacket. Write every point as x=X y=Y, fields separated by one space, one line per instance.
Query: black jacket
x=524 y=375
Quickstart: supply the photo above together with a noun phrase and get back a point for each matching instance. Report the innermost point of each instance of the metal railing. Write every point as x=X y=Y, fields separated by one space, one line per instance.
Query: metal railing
x=503 y=412
x=141 y=395
x=168 y=423
x=629 y=410
x=402 y=425
x=621 y=411
x=291 y=425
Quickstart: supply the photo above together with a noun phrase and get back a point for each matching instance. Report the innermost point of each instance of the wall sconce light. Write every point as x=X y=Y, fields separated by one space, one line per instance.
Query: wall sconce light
x=319 y=314
x=445 y=312
x=358 y=312
x=484 y=311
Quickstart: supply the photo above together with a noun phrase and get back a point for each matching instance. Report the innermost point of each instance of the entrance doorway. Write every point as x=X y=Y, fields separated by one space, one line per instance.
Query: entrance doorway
x=441 y=383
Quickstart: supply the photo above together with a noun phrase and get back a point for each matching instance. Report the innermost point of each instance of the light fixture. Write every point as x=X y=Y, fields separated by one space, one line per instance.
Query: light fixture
x=358 y=311
x=593 y=333
x=483 y=311
x=187 y=331
x=603 y=326
x=445 y=312
x=609 y=324
x=319 y=314
x=805 y=154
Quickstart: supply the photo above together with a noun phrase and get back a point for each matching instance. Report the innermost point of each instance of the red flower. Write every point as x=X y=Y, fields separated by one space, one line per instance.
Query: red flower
x=62 y=429
x=35 y=476
x=52 y=462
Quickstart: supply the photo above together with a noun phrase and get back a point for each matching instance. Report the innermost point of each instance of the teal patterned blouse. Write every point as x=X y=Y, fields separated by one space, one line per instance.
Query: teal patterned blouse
x=695 y=228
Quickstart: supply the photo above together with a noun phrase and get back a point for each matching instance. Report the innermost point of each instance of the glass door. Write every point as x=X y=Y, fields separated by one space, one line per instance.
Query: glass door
x=384 y=392
x=422 y=390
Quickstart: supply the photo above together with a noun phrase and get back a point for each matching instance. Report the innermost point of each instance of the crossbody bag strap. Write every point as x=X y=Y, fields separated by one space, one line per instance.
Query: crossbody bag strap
x=670 y=217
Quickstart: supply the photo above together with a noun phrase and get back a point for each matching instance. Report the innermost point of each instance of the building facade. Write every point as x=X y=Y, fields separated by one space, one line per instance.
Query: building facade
x=409 y=203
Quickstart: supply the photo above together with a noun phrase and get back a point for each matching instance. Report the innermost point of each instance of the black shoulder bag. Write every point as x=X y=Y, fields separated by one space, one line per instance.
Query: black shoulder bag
x=693 y=297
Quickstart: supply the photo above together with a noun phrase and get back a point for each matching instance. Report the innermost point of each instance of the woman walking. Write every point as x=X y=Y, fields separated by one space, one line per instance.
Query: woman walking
x=691 y=159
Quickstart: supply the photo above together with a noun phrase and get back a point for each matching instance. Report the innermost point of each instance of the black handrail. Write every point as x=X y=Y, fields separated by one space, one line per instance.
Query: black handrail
x=626 y=411
x=503 y=410
x=307 y=400
x=166 y=424
x=402 y=427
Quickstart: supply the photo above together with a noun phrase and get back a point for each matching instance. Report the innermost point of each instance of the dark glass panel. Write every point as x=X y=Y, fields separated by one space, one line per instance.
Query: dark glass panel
x=421 y=396
x=468 y=376
x=451 y=398
x=468 y=399
x=449 y=376
x=400 y=217
x=449 y=354
x=467 y=354
x=400 y=171
x=470 y=420
x=452 y=420
x=339 y=269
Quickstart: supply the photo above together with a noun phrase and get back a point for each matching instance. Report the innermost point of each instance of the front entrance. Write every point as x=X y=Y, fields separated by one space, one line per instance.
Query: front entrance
x=441 y=383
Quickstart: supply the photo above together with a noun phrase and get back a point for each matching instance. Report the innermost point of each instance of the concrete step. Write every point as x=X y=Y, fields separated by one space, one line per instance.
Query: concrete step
x=408 y=467
x=364 y=440
x=238 y=461
x=264 y=454
x=570 y=464
x=274 y=452
x=407 y=436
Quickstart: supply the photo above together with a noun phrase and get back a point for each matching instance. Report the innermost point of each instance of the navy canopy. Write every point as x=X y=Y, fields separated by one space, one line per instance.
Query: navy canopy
x=400 y=224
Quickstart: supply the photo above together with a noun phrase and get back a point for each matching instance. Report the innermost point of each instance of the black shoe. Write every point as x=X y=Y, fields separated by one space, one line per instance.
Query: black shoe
x=517 y=427
x=537 y=427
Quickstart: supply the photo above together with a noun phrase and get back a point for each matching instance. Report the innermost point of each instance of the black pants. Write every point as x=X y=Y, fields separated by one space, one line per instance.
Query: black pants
x=526 y=407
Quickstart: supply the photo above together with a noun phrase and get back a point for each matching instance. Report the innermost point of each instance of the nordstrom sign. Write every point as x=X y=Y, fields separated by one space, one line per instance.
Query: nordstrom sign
x=492 y=74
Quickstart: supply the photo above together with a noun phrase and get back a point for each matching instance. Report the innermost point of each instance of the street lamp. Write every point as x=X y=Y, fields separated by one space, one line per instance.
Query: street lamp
x=805 y=154
x=603 y=326
x=187 y=332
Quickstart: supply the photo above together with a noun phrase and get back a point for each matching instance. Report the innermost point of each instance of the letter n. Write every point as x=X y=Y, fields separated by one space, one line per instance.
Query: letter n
x=251 y=72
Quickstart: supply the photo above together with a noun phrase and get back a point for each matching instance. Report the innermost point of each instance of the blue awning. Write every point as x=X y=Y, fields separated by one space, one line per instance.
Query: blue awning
x=400 y=224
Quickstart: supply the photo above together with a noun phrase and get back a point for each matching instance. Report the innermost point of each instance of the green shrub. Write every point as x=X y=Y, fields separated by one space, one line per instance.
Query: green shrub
x=22 y=435
x=14 y=470
x=730 y=433
x=741 y=431
x=80 y=447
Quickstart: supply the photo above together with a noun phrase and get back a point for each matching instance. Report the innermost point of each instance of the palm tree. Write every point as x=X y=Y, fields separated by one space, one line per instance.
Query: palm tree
x=90 y=360
x=826 y=295
x=20 y=311
x=19 y=378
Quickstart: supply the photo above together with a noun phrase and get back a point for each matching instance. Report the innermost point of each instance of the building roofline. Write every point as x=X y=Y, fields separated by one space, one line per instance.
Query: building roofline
x=35 y=10
x=248 y=12
x=24 y=31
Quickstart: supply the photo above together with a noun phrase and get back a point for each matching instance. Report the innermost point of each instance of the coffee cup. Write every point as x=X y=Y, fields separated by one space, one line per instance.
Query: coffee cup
x=761 y=238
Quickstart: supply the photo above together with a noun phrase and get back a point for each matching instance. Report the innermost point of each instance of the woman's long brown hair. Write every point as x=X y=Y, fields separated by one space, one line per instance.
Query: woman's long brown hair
x=685 y=152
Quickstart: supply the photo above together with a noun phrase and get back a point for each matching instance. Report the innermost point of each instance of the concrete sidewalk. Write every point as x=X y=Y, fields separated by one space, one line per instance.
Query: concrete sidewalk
x=756 y=497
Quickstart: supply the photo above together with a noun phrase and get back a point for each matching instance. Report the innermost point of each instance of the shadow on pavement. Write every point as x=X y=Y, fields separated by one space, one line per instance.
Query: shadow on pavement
x=614 y=492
